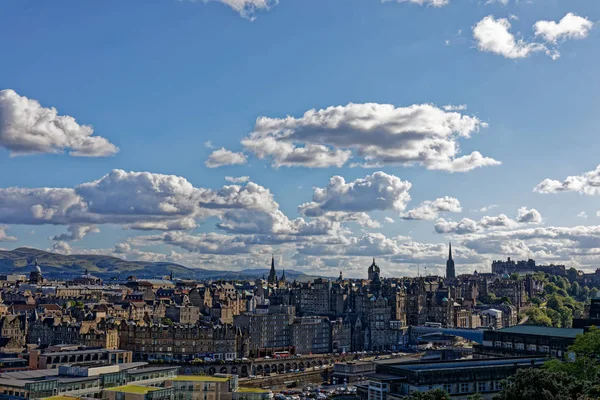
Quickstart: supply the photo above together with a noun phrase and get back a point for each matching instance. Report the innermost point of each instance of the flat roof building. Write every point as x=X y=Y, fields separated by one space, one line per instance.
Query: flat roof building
x=522 y=340
x=459 y=378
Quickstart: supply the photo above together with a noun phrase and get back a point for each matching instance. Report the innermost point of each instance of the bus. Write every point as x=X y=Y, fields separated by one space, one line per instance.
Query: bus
x=281 y=354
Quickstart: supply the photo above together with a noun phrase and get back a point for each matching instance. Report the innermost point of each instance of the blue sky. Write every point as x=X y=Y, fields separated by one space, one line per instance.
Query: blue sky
x=160 y=78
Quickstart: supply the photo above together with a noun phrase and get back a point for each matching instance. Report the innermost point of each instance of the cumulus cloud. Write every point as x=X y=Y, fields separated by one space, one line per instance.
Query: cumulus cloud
x=459 y=107
x=496 y=221
x=582 y=214
x=238 y=179
x=378 y=191
x=62 y=248
x=464 y=226
x=26 y=127
x=4 y=237
x=223 y=157
x=546 y=242
x=485 y=208
x=122 y=248
x=571 y=26
x=246 y=8
x=494 y=36
x=432 y=3
x=120 y=197
x=501 y=221
x=76 y=232
x=529 y=216
x=588 y=184
x=380 y=134
x=430 y=210
x=389 y=220
x=361 y=218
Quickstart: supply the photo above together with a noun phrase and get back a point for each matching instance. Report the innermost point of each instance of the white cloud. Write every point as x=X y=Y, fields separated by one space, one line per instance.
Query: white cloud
x=378 y=191
x=459 y=107
x=389 y=220
x=76 y=232
x=549 y=242
x=223 y=157
x=464 y=226
x=503 y=2
x=4 y=237
x=501 y=221
x=433 y=3
x=28 y=128
x=496 y=221
x=122 y=248
x=120 y=197
x=430 y=210
x=588 y=183
x=246 y=8
x=62 y=248
x=239 y=179
x=582 y=214
x=485 y=208
x=494 y=36
x=251 y=209
x=361 y=218
x=380 y=134
x=529 y=216
x=209 y=144
x=571 y=26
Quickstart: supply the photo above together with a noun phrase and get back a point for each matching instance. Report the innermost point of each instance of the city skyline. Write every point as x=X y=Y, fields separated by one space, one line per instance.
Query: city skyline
x=214 y=134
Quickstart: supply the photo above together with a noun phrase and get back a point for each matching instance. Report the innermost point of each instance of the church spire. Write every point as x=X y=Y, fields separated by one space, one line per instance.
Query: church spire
x=272 y=273
x=450 y=268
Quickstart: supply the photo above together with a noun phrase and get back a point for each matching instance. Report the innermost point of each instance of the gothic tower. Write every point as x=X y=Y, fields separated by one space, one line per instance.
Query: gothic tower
x=272 y=273
x=450 y=271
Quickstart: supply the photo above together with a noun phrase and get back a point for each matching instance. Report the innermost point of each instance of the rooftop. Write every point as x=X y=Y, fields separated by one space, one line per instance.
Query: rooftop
x=462 y=364
x=252 y=390
x=543 y=331
x=134 y=389
x=201 y=378
x=61 y=397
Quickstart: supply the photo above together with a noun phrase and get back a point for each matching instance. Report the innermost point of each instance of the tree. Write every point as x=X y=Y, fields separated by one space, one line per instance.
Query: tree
x=537 y=316
x=585 y=293
x=436 y=394
x=572 y=274
x=538 y=384
x=575 y=289
x=588 y=344
x=555 y=302
x=476 y=396
x=166 y=321
x=594 y=293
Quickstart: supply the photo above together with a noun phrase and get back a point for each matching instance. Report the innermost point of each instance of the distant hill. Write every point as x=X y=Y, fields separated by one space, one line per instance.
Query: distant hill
x=22 y=259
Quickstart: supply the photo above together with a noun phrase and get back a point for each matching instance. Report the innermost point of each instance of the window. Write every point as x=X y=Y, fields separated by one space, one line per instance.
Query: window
x=481 y=387
x=464 y=388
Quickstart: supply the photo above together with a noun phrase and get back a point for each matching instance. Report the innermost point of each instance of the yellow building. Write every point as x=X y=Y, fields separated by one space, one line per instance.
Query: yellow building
x=252 y=394
x=136 y=392
x=218 y=387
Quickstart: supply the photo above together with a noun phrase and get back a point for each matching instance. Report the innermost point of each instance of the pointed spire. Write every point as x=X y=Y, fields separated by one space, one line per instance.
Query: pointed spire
x=272 y=273
x=450 y=252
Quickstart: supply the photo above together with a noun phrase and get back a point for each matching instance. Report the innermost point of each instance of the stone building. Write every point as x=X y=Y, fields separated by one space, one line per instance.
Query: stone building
x=311 y=335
